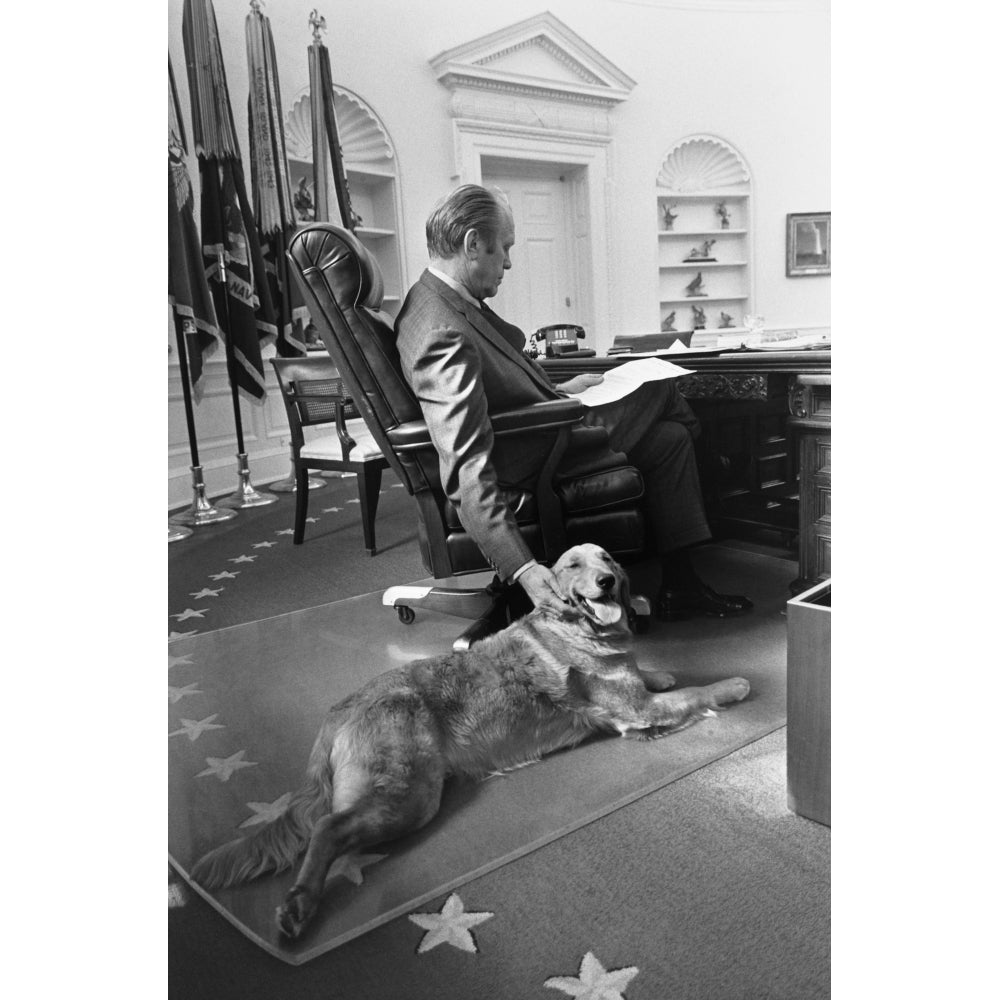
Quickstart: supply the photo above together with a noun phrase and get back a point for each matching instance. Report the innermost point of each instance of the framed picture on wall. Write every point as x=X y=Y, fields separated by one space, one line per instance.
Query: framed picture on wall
x=807 y=244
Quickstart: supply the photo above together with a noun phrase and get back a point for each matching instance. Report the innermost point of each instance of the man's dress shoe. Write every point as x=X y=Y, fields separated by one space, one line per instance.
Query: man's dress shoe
x=699 y=600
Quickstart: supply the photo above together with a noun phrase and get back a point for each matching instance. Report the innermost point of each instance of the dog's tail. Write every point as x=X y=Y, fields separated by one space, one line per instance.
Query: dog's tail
x=275 y=846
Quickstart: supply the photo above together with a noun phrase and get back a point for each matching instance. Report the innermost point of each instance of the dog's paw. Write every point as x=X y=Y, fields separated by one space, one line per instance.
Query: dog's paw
x=295 y=912
x=656 y=680
x=725 y=692
x=644 y=735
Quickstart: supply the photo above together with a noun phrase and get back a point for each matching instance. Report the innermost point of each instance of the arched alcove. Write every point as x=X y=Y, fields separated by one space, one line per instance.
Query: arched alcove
x=704 y=208
x=372 y=177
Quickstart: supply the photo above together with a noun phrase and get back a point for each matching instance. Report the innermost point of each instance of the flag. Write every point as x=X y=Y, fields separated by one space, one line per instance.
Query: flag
x=187 y=289
x=269 y=181
x=327 y=155
x=234 y=264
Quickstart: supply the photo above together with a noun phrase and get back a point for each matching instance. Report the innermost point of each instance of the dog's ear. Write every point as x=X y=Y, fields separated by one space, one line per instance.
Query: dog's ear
x=624 y=595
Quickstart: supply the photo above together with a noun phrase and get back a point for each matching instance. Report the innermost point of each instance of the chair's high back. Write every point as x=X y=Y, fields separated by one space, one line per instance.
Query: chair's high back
x=342 y=286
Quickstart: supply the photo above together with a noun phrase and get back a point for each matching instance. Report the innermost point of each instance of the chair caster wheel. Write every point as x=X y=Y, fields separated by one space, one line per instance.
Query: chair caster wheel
x=406 y=615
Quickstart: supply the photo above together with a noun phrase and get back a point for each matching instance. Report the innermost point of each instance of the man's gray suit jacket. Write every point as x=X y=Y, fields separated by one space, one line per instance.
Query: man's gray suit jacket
x=462 y=367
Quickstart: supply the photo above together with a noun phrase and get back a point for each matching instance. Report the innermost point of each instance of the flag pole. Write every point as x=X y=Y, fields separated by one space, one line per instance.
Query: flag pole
x=201 y=511
x=245 y=495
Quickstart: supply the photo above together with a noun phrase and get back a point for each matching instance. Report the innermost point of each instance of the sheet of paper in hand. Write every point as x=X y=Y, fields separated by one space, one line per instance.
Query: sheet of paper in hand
x=619 y=382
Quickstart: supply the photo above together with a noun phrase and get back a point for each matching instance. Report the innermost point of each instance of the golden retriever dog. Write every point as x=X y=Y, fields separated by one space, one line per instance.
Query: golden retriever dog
x=379 y=764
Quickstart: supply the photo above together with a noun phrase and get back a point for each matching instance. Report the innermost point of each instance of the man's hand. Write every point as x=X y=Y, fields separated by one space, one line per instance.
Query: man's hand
x=580 y=382
x=540 y=585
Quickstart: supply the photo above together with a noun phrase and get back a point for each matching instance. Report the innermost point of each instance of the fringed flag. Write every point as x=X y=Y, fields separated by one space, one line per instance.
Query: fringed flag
x=327 y=155
x=187 y=289
x=234 y=264
x=269 y=180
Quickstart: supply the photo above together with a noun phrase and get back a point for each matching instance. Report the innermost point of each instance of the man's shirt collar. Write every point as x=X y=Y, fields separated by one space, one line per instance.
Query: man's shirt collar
x=457 y=286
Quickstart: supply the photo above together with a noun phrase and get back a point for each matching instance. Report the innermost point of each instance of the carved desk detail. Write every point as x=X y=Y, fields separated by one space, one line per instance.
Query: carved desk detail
x=797 y=400
x=702 y=385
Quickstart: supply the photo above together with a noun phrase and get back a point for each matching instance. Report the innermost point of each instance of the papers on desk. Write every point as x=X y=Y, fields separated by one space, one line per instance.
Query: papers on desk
x=620 y=381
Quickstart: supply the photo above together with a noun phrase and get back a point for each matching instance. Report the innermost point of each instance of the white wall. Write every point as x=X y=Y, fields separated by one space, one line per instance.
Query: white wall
x=753 y=72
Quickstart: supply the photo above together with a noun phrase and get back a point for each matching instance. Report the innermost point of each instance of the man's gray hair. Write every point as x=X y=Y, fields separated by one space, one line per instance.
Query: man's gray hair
x=470 y=206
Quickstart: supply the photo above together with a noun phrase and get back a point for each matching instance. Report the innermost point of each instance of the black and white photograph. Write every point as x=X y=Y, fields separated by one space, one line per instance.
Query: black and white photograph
x=500 y=607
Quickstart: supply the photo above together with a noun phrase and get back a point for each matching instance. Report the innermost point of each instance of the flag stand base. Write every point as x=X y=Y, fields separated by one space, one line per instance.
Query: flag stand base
x=246 y=495
x=201 y=511
x=287 y=485
x=177 y=532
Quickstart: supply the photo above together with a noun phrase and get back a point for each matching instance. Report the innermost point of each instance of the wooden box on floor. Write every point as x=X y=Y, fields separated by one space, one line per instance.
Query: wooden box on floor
x=809 y=617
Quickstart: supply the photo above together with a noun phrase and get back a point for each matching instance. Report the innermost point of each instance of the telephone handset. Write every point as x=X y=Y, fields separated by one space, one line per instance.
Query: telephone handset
x=561 y=341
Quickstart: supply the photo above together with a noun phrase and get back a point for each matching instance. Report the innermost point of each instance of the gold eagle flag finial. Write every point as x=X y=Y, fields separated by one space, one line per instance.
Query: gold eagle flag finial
x=318 y=23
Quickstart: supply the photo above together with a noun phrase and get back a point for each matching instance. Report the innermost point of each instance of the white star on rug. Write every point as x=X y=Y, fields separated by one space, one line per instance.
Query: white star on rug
x=223 y=767
x=594 y=982
x=350 y=865
x=264 y=812
x=355 y=500
x=241 y=559
x=192 y=730
x=180 y=635
x=286 y=531
x=450 y=926
x=177 y=661
x=177 y=693
x=312 y=520
x=189 y=613
x=207 y=592
x=263 y=545
x=224 y=575
x=332 y=510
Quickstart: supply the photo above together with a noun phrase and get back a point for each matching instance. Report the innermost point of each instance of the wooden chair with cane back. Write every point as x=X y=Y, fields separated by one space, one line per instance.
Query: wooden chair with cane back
x=314 y=394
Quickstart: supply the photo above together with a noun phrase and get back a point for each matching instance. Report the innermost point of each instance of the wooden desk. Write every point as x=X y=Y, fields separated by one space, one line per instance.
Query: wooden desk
x=749 y=466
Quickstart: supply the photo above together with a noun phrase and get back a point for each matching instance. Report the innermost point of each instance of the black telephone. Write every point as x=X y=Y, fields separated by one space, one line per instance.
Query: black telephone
x=561 y=341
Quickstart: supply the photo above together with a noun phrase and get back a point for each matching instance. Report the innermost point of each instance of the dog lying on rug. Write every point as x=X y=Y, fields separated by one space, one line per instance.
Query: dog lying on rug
x=377 y=769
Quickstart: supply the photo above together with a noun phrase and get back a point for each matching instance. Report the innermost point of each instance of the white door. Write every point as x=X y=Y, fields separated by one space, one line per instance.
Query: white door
x=542 y=285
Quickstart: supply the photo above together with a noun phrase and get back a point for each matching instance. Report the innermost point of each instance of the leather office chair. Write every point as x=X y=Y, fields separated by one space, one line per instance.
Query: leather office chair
x=342 y=286
x=314 y=393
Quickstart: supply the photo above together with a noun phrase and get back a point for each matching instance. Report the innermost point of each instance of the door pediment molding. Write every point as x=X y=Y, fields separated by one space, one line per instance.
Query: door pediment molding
x=539 y=58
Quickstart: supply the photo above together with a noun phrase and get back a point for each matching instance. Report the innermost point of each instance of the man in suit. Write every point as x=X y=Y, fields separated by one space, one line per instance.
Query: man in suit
x=464 y=362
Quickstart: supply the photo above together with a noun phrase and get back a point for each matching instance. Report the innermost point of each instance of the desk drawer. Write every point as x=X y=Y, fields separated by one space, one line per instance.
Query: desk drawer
x=816 y=456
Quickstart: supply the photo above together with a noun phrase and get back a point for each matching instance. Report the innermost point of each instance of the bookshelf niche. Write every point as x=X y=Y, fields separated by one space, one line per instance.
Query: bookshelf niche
x=372 y=177
x=703 y=205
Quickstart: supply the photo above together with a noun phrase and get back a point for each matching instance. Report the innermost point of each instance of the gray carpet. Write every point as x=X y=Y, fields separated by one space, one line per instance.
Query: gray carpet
x=708 y=887
x=266 y=686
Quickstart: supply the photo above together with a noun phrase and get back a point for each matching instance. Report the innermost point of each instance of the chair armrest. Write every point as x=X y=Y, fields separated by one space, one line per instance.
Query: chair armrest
x=552 y=414
x=411 y=436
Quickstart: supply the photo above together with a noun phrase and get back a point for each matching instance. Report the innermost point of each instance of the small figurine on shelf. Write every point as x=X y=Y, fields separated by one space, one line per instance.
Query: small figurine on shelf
x=668 y=216
x=699 y=318
x=694 y=287
x=704 y=253
x=725 y=321
x=667 y=326
x=302 y=201
x=723 y=213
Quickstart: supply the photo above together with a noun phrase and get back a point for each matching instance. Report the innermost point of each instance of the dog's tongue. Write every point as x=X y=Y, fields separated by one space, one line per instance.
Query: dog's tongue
x=606 y=612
